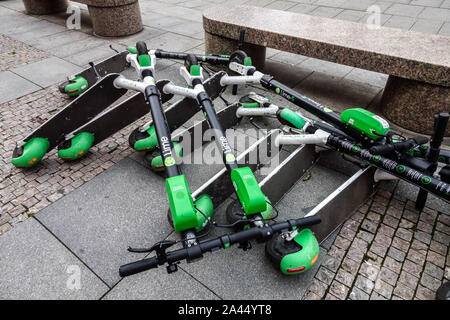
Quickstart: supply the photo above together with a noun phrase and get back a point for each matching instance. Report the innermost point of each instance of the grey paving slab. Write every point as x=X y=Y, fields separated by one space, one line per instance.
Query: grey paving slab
x=405 y=10
x=435 y=14
x=326 y=12
x=280 y=71
x=383 y=5
x=190 y=28
x=445 y=29
x=35 y=265
x=15 y=4
x=158 y=284
x=410 y=191
x=11 y=20
x=47 y=72
x=348 y=4
x=145 y=35
x=180 y=12
x=196 y=3
x=383 y=18
x=281 y=5
x=337 y=93
x=16 y=28
x=175 y=42
x=200 y=49
x=289 y=58
x=427 y=3
x=369 y=77
x=326 y=67
x=14 y=86
x=61 y=19
x=41 y=29
x=94 y=54
x=427 y=26
x=302 y=8
x=124 y=206
x=271 y=52
x=258 y=3
x=350 y=15
x=78 y=46
x=55 y=40
x=399 y=22
x=163 y=22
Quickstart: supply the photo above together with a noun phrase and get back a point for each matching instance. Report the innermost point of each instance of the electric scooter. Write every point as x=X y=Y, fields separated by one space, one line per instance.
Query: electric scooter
x=389 y=156
x=363 y=130
x=255 y=210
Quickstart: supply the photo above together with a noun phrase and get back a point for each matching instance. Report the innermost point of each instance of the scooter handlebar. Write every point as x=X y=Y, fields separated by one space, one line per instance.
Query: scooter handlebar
x=403 y=146
x=138 y=266
x=194 y=252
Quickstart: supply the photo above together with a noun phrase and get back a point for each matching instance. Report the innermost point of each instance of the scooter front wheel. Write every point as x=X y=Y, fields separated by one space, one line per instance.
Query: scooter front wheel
x=76 y=147
x=30 y=153
x=293 y=256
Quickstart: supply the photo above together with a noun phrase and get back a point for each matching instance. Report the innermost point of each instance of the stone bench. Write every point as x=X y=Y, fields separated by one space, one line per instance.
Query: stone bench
x=418 y=64
x=110 y=18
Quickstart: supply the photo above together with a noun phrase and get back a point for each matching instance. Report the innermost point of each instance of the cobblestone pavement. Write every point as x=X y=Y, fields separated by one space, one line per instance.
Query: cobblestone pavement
x=14 y=53
x=25 y=192
x=386 y=250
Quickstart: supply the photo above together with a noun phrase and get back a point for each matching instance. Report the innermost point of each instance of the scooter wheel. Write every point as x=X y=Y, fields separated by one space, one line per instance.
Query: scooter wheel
x=170 y=218
x=443 y=293
x=247 y=102
x=237 y=56
x=143 y=141
x=62 y=86
x=76 y=147
x=74 y=87
x=294 y=256
x=30 y=153
x=157 y=164
x=234 y=212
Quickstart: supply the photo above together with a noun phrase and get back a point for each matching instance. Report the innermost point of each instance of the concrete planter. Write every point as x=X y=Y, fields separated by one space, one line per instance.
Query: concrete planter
x=45 y=6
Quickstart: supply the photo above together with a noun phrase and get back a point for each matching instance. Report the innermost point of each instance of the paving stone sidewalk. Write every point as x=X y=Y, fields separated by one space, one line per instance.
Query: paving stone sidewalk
x=386 y=250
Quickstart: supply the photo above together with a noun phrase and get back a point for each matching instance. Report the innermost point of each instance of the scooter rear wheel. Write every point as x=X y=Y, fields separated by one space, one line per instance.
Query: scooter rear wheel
x=234 y=212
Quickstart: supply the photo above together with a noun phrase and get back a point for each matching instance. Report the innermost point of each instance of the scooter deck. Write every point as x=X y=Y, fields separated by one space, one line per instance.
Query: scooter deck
x=220 y=186
x=135 y=107
x=79 y=111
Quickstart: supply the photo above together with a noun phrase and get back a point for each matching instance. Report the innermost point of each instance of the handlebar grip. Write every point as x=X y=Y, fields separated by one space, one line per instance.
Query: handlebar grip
x=138 y=266
x=191 y=60
x=309 y=221
x=143 y=58
x=382 y=149
x=421 y=140
x=402 y=146
x=141 y=48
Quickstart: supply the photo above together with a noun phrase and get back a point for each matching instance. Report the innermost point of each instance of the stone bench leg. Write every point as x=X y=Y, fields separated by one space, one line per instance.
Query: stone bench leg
x=412 y=104
x=218 y=45
x=45 y=6
x=116 y=21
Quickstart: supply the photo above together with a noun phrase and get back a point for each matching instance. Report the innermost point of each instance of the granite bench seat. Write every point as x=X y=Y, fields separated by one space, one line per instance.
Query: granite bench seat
x=110 y=18
x=418 y=64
